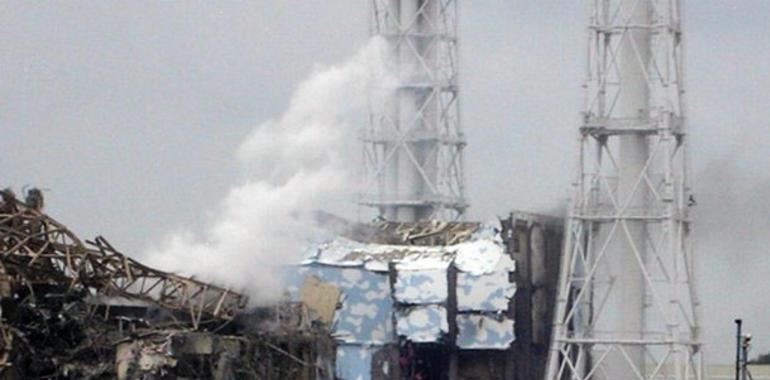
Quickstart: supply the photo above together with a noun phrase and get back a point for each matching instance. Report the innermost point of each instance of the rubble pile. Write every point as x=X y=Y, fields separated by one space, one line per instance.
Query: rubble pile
x=75 y=310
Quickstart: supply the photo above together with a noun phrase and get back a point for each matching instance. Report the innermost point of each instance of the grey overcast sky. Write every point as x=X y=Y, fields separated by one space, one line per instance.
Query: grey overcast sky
x=130 y=113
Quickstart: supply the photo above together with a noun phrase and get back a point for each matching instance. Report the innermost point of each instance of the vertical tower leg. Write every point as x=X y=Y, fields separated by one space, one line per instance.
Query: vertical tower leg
x=626 y=307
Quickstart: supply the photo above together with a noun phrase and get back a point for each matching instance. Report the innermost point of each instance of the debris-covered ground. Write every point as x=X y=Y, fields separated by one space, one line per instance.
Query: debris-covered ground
x=83 y=310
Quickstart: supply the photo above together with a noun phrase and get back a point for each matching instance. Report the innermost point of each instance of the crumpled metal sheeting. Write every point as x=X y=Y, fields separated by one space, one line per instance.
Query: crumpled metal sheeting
x=478 y=256
x=147 y=357
x=433 y=232
x=484 y=332
x=422 y=324
x=184 y=354
x=57 y=336
x=366 y=305
x=375 y=257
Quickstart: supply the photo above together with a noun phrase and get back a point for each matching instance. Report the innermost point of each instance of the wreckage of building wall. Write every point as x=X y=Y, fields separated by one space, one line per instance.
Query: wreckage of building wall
x=284 y=350
x=384 y=232
x=534 y=241
x=439 y=284
x=447 y=295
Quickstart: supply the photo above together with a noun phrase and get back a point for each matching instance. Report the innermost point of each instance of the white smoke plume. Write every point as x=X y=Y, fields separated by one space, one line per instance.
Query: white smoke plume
x=292 y=165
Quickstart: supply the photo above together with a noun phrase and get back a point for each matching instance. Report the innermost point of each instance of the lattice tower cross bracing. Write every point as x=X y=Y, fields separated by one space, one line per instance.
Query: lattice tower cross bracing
x=626 y=306
x=413 y=144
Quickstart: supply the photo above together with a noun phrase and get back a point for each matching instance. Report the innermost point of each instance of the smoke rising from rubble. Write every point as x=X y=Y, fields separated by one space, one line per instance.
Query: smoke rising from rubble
x=292 y=166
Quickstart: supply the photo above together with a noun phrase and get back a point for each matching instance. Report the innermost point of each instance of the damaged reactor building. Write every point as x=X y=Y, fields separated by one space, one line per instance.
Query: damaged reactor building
x=435 y=300
x=384 y=300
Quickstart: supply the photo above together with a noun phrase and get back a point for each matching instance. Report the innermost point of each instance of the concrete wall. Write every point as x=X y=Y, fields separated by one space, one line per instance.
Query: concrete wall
x=535 y=243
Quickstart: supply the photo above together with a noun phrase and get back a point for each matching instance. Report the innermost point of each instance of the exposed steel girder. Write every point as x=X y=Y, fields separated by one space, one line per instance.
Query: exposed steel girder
x=37 y=249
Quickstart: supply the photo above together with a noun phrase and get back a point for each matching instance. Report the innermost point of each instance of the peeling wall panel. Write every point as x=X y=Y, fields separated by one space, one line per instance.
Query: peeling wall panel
x=366 y=305
x=476 y=256
x=321 y=298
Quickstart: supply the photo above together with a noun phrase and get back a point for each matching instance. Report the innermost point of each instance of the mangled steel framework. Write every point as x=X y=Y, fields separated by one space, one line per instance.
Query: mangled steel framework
x=35 y=248
x=74 y=309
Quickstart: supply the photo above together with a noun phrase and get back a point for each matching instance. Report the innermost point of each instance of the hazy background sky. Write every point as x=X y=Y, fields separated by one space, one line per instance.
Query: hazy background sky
x=130 y=113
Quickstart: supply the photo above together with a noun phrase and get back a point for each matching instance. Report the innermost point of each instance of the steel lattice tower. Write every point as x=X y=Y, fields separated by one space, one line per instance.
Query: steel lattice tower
x=413 y=145
x=626 y=306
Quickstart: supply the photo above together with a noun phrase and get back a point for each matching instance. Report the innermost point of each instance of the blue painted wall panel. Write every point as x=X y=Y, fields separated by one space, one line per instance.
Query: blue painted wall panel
x=366 y=313
x=354 y=362
x=484 y=332
x=427 y=286
x=422 y=324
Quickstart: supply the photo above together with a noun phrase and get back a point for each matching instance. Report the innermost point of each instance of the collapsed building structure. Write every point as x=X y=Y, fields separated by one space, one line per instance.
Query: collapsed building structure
x=74 y=310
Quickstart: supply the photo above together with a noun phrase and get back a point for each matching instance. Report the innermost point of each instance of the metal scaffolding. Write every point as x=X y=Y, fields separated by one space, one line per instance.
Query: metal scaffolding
x=626 y=306
x=413 y=144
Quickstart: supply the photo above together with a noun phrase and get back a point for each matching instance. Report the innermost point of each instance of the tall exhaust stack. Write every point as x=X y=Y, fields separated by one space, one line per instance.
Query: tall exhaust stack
x=626 y=307
x=413 y=144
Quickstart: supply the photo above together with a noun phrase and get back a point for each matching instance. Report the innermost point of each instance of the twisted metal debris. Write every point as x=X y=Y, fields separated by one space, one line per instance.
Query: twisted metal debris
x=71 y=309
x=36 y=249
